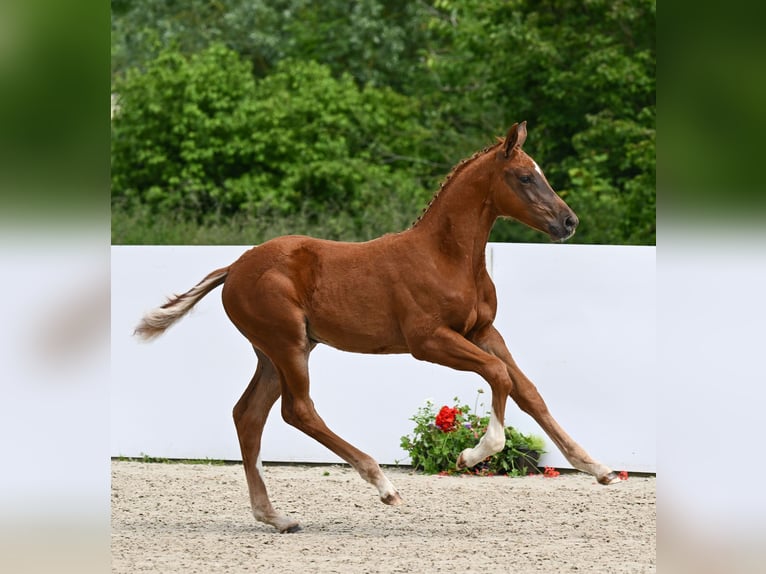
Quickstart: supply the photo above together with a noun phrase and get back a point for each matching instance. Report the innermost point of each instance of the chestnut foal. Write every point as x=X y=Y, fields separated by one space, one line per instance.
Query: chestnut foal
x=424 y=291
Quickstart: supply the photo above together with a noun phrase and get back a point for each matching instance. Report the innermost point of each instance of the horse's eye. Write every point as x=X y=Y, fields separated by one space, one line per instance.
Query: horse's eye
x=525 y=179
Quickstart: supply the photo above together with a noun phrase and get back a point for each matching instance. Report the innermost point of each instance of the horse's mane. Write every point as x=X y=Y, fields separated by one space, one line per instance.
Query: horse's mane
x=461 y=165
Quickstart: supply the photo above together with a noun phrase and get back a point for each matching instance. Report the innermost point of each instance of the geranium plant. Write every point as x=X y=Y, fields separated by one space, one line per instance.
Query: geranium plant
x=440 y=437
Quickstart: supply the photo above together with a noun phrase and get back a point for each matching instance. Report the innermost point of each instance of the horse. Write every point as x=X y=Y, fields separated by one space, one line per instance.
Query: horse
x=423 y=291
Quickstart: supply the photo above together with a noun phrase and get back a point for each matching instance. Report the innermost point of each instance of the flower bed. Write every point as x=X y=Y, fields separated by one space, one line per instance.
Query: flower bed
x=440 y=437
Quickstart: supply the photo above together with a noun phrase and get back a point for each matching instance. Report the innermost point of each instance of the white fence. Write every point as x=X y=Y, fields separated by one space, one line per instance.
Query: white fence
x=579 y=320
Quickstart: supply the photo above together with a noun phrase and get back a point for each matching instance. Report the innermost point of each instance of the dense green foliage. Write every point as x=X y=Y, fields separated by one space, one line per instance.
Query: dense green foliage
x=201 y=139
x=243 y=119
x=438 y=439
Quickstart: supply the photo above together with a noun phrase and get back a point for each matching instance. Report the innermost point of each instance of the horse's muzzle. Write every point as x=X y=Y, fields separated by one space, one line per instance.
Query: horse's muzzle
x=564 y=228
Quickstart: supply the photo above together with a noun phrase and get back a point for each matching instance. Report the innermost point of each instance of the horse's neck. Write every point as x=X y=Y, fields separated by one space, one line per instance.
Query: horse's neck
x=460 y=218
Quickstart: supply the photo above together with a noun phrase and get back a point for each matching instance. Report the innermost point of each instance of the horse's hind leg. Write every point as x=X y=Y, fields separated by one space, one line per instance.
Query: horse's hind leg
x=298 y=410
x=250 y=414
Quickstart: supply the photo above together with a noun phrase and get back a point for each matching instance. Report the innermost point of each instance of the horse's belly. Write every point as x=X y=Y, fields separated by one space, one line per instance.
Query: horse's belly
x=357 y=331
x=355 y=342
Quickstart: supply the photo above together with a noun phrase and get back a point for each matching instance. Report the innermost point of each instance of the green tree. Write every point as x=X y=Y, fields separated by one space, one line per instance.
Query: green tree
x=424 y=84
x=141 y=29
x=583 y=75
x=182 y=132
x=375 y=41
x=200 y=139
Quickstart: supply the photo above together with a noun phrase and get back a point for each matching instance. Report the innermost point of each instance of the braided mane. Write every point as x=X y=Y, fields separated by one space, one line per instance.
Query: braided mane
x=450 y=176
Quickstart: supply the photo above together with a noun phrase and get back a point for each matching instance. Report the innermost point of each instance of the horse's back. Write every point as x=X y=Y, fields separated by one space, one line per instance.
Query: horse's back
x=307 y=257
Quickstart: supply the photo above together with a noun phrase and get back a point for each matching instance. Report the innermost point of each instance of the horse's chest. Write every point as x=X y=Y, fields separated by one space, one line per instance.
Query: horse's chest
x=472 y=308
x=460 y=310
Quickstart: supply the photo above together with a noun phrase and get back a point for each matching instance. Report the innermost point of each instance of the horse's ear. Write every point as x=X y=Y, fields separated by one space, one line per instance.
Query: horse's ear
x=521 y=136
x=515 y=138
x=510 y=140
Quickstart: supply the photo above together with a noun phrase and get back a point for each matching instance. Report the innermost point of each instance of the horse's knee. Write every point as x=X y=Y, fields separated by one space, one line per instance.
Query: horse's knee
x=496 y=374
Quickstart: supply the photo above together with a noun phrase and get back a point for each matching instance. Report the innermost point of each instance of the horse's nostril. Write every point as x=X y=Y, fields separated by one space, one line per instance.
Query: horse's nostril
x=570 y=222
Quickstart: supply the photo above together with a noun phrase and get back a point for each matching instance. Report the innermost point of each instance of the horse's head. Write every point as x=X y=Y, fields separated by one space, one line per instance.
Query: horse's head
x=521 y=191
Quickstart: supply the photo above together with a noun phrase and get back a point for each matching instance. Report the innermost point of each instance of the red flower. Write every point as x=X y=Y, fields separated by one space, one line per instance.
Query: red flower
x=550 y=472
x=623 y=474
x=445 y=420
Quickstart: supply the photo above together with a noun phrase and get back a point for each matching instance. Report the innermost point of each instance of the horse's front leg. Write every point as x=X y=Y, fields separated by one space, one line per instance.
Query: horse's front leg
x=449 y=348
x=525 y=394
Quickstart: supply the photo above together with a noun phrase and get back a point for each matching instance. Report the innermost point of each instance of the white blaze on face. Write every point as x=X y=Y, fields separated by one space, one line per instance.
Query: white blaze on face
x=539 y=171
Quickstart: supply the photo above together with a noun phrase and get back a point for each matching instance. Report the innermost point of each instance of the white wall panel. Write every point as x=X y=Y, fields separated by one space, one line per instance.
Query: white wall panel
x=580 y=321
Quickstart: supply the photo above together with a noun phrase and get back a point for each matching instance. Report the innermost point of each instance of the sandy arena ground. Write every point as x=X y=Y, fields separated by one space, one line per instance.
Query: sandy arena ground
x=195 y=518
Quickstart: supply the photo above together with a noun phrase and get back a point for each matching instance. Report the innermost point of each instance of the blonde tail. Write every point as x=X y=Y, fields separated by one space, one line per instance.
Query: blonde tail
x=155 y=322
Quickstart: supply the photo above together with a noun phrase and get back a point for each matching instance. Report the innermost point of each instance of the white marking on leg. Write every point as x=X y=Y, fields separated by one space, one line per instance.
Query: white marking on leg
x=257 y=512
x=388 y=493
x=493 y=441
x=259 y=465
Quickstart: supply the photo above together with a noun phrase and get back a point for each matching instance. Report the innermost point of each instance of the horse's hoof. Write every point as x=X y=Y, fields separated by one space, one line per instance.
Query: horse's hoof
x=291 y=529
x=460 y=465
x=610 y=478
x=392 y=499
